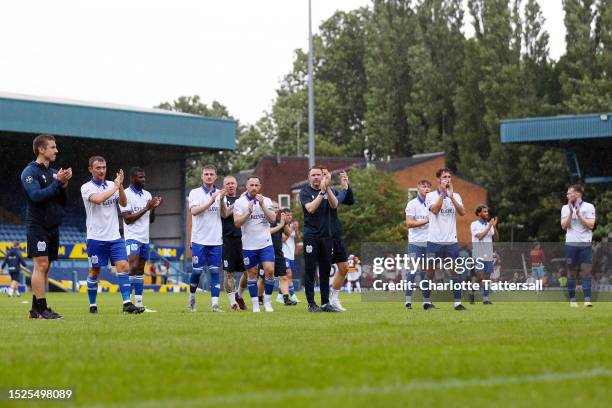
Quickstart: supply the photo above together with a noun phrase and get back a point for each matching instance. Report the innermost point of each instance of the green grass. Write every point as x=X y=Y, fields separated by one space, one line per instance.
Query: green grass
x=376 y=354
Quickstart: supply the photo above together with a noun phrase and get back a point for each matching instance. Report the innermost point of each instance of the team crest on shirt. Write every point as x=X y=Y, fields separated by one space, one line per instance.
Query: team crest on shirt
x=309 y=249
x=41 y=246
x=29 y=179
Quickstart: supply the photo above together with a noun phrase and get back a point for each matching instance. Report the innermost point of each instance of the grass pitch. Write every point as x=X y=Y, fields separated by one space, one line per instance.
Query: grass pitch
x=376 y=354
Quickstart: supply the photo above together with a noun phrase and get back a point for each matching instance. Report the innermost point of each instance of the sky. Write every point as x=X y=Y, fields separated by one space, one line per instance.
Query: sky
x=142 y=53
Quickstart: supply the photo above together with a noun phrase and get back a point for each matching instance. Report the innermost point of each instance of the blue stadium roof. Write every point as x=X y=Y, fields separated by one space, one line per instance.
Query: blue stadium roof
x=556 y=128
x=61 y=117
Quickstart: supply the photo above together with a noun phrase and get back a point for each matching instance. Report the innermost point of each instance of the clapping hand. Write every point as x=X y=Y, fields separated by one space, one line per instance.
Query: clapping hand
x=119 y=179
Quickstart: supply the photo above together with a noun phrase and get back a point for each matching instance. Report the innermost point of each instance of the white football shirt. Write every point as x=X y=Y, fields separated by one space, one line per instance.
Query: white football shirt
x=482 y=248
x=442 y=227
x=136 y=201
x=418 y=209
x=289 y=247
x=576 y=232
x=256 y=230
x=206 y=228
x=102 y=219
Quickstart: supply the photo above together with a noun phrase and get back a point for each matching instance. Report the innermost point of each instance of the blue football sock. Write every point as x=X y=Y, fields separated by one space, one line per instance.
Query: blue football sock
x=291 y=289
x=92 y=290
x=586 y=288
x=215 y=286
x=194 y=280
x=456 y=294
x=138 y=284
x=410 y=279
x=269 y=286
x=571 y=288
x=124 y=286
x=252 y=285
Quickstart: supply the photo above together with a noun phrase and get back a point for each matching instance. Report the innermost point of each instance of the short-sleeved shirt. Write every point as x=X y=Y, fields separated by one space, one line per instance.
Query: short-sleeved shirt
x=482 y=248
x=576 y=232
x=136 y=201
x=229 y=228
x=102 y=219
x=256 y=229
x=417 y=208
x=206 y=227
x=443 y=226
x=318 y=224
x=289 y=247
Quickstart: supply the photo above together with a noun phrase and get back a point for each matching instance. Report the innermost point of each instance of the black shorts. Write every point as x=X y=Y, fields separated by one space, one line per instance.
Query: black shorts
x=232 y=255
x=14 y=276
x=280 y=267
x=43 y=242
x=339 y=251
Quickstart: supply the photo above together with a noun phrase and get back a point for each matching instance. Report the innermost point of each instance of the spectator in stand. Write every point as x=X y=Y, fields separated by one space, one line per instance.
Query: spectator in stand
x=496 y=275
x=563 y=276
x=164 y=268
x=554 y=280
x=537 y=259
x=153 y=273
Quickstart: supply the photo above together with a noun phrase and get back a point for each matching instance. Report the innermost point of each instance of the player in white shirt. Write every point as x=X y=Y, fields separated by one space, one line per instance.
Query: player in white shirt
x=137 y=215
x=578 y=219
x=253 y=213
x=104 y=241
x=417 y=220
x=289 y=244
x=207 y=205
x=444 y=205
x=483 y=233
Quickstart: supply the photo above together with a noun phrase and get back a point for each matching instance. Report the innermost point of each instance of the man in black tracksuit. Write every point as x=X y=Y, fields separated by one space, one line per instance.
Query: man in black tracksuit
x=45 y=190
x=317 y=200
x=14 y=261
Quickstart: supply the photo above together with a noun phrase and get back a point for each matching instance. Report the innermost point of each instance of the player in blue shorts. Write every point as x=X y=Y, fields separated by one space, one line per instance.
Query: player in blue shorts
x=444 y=205
x=207 y=205
x=578 y=220
x=104 y=242
x=417 y=222
x=137 y=215
x=483 y=232
x=253 y=213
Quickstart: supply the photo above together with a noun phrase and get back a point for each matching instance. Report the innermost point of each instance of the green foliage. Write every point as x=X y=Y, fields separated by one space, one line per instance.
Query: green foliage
x=251 y=141
x=378 y=212
x=399 y=77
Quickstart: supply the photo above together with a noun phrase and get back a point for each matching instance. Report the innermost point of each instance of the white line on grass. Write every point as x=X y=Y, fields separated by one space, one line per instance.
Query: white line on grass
x=266 y=396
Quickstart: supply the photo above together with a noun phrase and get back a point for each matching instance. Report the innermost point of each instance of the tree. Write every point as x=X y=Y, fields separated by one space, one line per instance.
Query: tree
x=378 y=213
x=251 y=143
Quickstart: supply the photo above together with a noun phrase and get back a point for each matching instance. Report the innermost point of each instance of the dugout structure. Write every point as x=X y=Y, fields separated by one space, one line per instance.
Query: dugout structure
x=586 y=139
x=159 y=141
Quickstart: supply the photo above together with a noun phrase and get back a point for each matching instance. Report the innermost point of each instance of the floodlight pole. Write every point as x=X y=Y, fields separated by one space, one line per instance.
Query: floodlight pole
x=311 y=133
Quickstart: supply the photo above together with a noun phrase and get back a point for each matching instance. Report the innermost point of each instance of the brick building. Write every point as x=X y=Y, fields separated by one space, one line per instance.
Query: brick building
x=407 y=171
x=279 y=173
